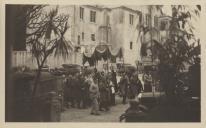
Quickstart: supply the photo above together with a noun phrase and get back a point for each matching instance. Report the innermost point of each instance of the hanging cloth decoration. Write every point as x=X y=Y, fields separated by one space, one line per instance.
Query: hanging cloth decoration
x=101 y=48
x=102 y=52
x=116 y=53
x=91 y=60
x=88 y=56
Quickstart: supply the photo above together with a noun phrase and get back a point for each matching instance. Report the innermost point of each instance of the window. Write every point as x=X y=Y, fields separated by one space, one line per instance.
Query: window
x=108 y=19
x=131 y=43
x=155 y=21
x=140 y=18
x=82 y=35
x=131 y=17
x=92 y=16
x=81 y=13
x=78 y=39
x=147 y=20
x=163 y=25
x=93 y=37
x=121 y=17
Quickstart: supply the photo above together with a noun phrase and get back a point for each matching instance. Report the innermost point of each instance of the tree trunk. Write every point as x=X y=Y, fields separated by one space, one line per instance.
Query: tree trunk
x=33 y=108
x=36 y=82
x=151 y=35
x=38 y=75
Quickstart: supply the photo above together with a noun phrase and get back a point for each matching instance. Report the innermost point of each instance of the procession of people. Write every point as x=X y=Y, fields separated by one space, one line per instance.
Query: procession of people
x=97 y=90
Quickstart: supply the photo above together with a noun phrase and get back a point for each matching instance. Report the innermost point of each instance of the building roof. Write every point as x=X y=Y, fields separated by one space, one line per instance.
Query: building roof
x=94 y=7
x=128 y=9
x=100 y=8
x=105 y=8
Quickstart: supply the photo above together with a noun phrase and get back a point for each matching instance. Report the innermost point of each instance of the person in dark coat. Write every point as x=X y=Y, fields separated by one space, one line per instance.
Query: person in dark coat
x=78 y=91
x=132 y=90
x=114 y=79
x=71 y=92
x=67 y=91
x=112 y=95
x=105 y=92
x=104 y=96
x=123 y=85
x=147 y=82
x=135 y=86
x=94 y=95
x=75 y=91
x=139 y=85
x=85 y=99
x=83 y=91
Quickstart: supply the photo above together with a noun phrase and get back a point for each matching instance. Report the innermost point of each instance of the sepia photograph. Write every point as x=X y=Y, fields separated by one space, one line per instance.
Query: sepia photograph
x=102 y=63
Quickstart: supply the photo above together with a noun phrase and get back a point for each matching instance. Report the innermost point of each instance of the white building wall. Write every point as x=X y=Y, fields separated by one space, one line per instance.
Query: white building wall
x=117 y=27
x=122 y=33
x=86 y=26
x=68 y=10
x=131 y=35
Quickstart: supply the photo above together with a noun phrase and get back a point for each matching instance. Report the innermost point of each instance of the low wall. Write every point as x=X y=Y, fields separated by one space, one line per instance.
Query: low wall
x=25 y=58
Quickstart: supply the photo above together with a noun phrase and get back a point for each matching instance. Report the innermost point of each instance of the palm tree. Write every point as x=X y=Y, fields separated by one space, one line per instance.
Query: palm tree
x=46 y=37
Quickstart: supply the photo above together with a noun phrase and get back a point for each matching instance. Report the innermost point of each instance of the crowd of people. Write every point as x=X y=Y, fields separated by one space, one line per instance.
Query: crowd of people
x=98 y=89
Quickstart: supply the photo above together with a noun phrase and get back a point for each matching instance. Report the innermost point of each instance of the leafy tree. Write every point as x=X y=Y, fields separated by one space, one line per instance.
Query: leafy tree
x=177 y=49
x=42 y=31
x=45 y=36
x=180 y=18
x=21 y=16
x=180 y=48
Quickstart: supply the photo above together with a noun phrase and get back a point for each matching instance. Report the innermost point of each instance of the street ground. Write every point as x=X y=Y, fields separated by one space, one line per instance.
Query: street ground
x=162 y=111
x=83 y=115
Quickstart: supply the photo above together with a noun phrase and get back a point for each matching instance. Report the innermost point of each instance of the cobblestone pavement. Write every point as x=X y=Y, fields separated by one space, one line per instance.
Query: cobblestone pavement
x=83 y=115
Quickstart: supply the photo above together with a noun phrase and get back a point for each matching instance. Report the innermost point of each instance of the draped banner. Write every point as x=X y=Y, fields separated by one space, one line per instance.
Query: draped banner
x=101 y=52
